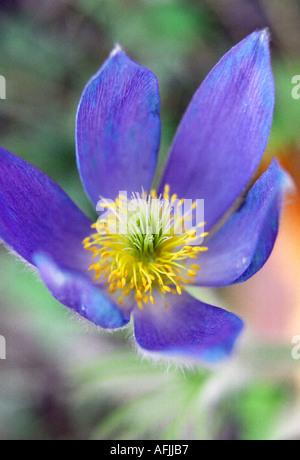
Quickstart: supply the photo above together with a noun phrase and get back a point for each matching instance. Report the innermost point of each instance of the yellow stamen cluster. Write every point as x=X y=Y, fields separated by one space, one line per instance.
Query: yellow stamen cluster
x=142 y=246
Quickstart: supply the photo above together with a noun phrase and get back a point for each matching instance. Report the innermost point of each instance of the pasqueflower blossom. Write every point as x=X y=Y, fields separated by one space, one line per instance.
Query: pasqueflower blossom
x=134 y=262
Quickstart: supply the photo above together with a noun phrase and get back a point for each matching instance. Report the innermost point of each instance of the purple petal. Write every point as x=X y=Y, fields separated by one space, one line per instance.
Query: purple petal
x=242 y=246
x=187 y=328
x=118 y=129
x=225 y=129
x=79 y=293
x=36 y=215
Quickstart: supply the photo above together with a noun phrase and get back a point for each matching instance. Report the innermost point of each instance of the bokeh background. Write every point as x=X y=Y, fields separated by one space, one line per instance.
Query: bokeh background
x=66 y=379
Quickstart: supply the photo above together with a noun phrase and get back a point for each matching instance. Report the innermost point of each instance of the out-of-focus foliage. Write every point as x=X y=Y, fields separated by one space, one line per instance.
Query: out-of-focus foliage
x=64 y=378
x=285 y=130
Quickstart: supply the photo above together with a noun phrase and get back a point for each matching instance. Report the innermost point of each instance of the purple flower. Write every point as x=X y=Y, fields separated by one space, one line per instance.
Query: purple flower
x=110 y=276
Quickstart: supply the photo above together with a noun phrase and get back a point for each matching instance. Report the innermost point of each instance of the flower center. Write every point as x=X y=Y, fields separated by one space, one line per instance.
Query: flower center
x=146 y=244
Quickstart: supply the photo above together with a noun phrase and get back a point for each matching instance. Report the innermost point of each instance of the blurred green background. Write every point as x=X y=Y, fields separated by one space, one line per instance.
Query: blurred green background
x=66 y=379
